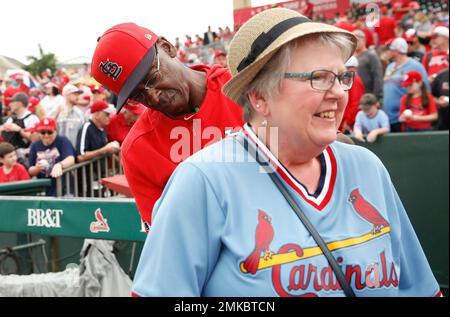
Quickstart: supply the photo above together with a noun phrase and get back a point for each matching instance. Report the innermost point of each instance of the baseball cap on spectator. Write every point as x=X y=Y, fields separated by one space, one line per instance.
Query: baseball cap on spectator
x=399 y=44
x=31 y=128
x=46 y=124
x=352 y=62
x=384 y=9
x=440 y=31
x=414 y=5
x=100 y=105
x=20 y=97
x=75 y=79
x=97 y=89
x=411 y=77
x=409 y=35
x=70 y=89
x=219 y=53
x=134 y=107
x=123 y=57
x=367 y=100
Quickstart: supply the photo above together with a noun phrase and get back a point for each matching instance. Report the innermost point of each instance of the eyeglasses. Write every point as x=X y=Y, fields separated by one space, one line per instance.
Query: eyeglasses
x=46 y=132
x=323 y=80
x=138 y=95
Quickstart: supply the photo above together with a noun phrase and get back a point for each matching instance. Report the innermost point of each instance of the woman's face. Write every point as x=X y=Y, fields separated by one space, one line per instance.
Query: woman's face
x=309 y=117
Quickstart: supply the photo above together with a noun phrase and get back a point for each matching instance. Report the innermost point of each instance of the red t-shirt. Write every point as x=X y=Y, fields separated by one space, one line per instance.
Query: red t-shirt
x=418 y=110
x=307 y=10
x=399 y=4
x=18 y=173
x=345 y=26
x=147 y=149
x=354 y=96
x=117 y=128
x=9 y=92
x=386 y=30
x=438 y=62
x=369 y=37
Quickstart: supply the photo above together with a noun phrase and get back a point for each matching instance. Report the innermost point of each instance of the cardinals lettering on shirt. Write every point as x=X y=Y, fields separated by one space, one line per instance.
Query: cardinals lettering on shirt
x=303 y=277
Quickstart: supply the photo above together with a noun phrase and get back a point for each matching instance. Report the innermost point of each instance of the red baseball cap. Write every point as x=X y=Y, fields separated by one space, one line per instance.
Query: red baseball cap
x=46 y=124
x=123 y=57
x=411 y=77
x=409 y=35
x=219 y=53
x=134 y=107
x=414 y=5
x=100 y=105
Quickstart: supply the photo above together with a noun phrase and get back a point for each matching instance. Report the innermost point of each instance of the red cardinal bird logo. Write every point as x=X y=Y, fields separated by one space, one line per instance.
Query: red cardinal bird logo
x=101 y=225
x=367 y=211
x=263 y=238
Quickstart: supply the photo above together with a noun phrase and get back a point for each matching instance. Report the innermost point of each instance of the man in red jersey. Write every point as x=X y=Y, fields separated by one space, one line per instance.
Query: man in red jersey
x=120 y=124
x=437 y=60
x=186 y=108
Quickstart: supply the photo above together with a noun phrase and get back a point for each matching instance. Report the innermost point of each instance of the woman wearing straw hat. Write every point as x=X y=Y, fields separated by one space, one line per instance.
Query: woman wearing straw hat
x=279 y=208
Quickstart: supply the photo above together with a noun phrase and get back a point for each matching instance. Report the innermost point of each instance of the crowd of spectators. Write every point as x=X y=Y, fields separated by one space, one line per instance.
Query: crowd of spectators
x=63 y=121
x=401 y=62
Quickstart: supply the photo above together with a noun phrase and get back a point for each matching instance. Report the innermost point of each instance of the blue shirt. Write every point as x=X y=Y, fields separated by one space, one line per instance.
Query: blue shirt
x=222 y=228
x=393 y=92
x=54 y=153
x=366 y=124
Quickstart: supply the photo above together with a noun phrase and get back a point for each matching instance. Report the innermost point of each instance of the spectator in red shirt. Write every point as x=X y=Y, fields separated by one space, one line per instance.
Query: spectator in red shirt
x=417 y=108
x=10 y=170
x=187 y=109
x=307 y=9
x=220 y=58
x=387 y=27
x=368 y=34
x=400 y=8
x=354 y=96
x=437 y=60
x=120 y=124
x=344 y=24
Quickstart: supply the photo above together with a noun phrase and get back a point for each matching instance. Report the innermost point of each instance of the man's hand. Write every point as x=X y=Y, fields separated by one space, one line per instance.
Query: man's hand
x=442 y=101
x=56 y=170
x=42 y=164
x=11 y=127
x=112 y=147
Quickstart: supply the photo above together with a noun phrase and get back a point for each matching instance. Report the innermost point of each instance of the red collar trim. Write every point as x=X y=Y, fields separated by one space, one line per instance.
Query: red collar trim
x=325 y=194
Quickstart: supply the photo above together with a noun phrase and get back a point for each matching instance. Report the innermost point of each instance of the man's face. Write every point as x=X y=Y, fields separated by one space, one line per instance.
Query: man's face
x=15 y=106
x=47 y=136
x=221 y=60
x=437 y=40
x=165 y=89
x=102 y=118
x=73 y=98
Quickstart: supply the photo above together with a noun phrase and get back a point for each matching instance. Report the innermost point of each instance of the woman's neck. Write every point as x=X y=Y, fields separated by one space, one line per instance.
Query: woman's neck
x=285 y=148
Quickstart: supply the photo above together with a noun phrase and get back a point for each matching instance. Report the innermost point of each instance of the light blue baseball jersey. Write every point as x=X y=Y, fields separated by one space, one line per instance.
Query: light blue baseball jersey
x=222 y=228
x=366 y=124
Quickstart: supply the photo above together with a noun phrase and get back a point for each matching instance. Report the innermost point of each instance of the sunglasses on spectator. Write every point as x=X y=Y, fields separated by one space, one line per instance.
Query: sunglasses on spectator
x=46 y=132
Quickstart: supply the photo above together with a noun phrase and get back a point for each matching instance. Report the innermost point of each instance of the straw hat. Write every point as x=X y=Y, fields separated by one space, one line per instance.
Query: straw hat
x=283 y=25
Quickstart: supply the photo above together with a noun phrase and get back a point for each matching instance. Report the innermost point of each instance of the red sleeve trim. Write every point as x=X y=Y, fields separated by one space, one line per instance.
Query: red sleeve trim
x=439 y=294
x=134 y=295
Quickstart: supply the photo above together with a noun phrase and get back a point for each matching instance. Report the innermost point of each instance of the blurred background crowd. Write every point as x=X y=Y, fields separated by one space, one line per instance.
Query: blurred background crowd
x=401 y=85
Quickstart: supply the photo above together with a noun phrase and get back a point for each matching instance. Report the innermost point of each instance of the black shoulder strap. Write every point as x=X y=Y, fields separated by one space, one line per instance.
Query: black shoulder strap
x=309 y=226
